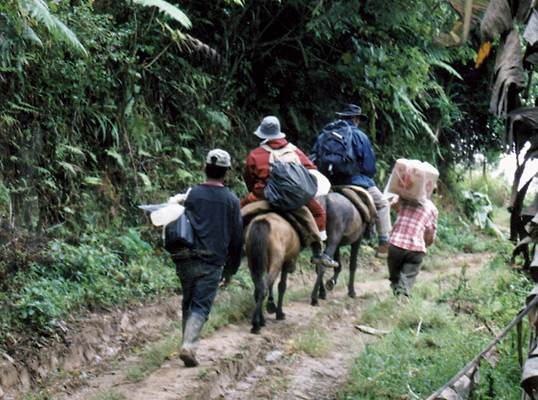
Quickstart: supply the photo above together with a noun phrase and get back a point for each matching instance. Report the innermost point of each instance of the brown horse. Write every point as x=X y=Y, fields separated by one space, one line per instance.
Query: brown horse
x=272 y=247
x=345 y=226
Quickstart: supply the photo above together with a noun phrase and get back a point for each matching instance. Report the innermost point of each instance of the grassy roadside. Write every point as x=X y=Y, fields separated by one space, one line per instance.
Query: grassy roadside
x=439 y=331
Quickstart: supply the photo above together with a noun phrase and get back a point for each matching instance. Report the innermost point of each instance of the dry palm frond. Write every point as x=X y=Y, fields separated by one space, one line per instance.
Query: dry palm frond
x=522 y=126
x=508 y=72
x=471 y=11
x=479 y=8
x=497 y=20
x=191 y=45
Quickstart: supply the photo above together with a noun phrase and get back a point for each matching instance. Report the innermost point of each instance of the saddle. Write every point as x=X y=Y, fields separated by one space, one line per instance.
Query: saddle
x=300 y=219
x=361 y=199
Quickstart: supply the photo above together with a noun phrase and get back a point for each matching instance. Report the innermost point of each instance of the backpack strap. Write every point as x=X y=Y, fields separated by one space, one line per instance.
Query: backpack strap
x=276 y=154
x=269 y=149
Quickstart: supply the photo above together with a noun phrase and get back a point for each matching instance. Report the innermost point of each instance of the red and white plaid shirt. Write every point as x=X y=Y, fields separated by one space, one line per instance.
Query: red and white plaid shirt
x=416 y=225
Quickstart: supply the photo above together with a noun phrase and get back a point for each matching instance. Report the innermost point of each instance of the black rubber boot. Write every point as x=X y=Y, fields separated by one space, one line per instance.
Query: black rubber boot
x=194 y=326
x=184 y=319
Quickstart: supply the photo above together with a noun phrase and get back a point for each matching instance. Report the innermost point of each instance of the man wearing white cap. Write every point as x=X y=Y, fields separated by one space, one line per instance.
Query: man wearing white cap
x=257 y=171
x=215 y=215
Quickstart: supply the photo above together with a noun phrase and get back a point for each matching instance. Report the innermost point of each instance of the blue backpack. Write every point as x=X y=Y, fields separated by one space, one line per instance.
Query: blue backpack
x=335 y=155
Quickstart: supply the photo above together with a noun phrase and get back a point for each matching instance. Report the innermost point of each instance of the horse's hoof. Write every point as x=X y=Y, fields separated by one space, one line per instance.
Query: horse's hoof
x=280 y=316
x=329 y=284
x=271 y=308
x=323 y=296
x=314 y=303
x=255 y=330
x=351 y=295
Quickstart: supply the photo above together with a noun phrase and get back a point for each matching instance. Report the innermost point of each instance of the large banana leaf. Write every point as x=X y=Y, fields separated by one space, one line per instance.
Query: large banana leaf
x=478 y=207
x=508 y=75
x=479 y=7
x=524 y=8
x=522 y=126
x=471 y=11
x=497 y=20
x=531 y=30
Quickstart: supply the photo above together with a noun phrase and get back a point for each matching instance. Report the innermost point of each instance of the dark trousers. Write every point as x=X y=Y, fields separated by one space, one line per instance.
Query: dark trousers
x=200 y=282
x=404 y=266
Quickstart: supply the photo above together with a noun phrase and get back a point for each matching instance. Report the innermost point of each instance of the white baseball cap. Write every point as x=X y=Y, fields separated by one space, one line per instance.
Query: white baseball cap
x=219 y=157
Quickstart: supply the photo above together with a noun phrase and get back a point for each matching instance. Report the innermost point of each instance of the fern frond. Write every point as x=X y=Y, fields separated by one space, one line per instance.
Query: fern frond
x=117 y=156
x=168 y=9
x=39 y=11
x=416 y=114
x=30 y=35
x=446 y=67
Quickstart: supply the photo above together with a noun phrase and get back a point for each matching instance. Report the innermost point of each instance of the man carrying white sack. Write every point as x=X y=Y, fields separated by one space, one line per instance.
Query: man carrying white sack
x=215 y=215
x=414 y=230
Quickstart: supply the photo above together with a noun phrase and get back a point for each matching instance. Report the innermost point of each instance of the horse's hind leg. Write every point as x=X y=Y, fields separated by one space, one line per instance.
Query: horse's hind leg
x=353 y=268
x=270 y=279
x=270 y=305
x=258 y=320
x=320 y=270
x=281 y=290
x=331 y=283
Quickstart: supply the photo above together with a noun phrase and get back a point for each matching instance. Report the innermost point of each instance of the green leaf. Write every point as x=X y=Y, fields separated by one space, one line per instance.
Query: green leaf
x=74 y=150
x=446 y=67
x=145 y=179
x=69 y=167
x=91 y=180
x=39 y=11
x=115 y=155
x=168 y=9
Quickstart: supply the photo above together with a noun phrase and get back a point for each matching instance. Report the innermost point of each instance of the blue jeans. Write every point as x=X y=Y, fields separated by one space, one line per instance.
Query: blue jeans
x=200 y=282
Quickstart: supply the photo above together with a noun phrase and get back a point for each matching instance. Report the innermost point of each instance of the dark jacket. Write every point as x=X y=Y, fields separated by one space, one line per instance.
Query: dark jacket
x=364 y=154
x=216 y=220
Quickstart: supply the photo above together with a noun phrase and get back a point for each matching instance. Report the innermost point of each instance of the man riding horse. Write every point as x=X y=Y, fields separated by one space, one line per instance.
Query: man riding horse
x=363 y=170
x=256 y=176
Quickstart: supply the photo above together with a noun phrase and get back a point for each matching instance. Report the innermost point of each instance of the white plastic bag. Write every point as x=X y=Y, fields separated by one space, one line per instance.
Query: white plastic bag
x=167 y=214
x=324 y=185
x=164 y=213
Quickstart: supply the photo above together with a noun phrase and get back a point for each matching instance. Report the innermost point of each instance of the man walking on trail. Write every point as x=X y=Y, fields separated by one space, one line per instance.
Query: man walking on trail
x=364 y=170
x=215 y=216
x=256 y=176
x=414 y=230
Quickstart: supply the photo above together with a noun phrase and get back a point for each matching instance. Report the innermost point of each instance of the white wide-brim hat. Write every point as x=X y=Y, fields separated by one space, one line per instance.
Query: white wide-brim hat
x=269 y=129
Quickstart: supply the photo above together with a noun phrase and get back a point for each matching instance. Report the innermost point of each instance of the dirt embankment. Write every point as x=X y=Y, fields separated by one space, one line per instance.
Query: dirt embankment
x=94 y=354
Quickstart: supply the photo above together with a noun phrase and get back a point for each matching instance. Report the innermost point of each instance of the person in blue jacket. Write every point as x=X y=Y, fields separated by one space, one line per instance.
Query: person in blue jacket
x=352 y=115
x=215 y=215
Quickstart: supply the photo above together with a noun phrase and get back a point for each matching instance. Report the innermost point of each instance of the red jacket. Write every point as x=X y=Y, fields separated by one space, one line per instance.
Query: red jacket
x=257 y=169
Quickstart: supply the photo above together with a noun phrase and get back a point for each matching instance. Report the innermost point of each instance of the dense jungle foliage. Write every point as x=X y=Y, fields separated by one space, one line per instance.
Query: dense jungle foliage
x=106 y=105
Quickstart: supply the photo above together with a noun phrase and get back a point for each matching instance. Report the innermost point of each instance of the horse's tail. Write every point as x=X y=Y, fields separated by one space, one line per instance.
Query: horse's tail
x=258 y=249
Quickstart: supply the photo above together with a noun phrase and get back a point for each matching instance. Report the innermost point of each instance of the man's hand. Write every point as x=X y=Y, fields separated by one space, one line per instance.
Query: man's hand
x=225 y=281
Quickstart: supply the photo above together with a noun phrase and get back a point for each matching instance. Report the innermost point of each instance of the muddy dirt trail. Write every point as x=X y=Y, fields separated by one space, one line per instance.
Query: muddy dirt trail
x=234 y=364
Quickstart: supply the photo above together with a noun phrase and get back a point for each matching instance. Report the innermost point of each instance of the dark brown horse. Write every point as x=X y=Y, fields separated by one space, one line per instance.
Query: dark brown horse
x=272 y=247
x=345 y=226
